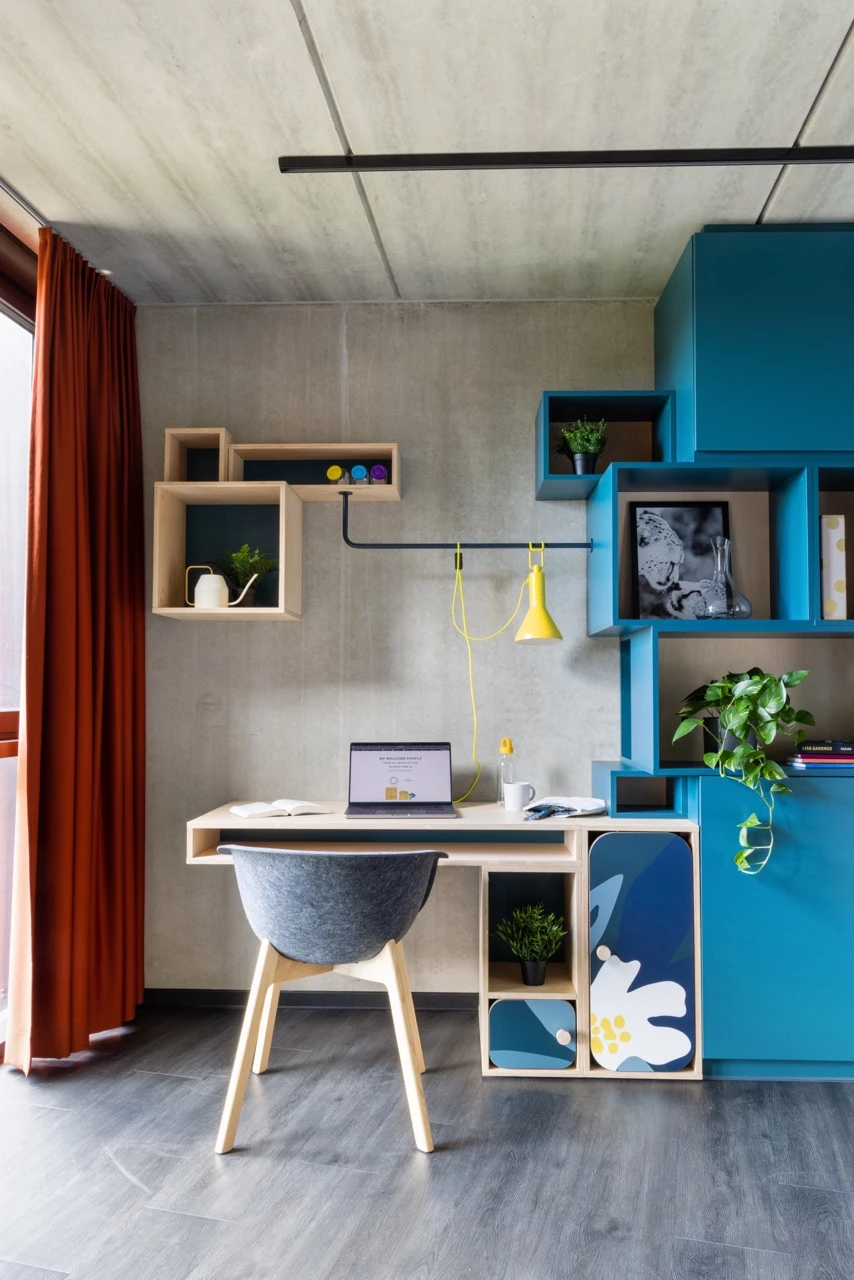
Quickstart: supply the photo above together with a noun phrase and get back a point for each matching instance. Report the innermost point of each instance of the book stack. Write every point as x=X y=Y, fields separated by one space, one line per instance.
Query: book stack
x=832 y=753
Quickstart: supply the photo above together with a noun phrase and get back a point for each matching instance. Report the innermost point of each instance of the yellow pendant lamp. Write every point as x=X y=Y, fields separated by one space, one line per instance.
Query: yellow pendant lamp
x=538 y=625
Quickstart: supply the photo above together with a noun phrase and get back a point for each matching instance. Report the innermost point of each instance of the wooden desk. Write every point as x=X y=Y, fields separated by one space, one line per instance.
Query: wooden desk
x=459 y=837
x=487 y=837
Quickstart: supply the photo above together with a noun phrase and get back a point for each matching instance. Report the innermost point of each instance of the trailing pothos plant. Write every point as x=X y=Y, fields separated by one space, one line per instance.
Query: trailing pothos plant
x=743 y=713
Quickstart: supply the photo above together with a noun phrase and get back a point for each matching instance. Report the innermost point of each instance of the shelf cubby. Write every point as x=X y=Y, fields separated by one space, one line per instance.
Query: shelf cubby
x=640 y=429
x=195 y=454
x=195 y=522
x=303 y=467
x=836 y=498
x=684 y=664
x=501 y=979
x=770 y=528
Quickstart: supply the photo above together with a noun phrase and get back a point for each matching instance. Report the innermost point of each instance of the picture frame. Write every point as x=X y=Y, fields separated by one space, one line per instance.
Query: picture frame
x=672 y=555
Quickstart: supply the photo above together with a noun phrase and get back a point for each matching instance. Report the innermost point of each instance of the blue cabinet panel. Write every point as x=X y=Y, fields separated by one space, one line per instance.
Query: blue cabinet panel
x=755 y=332
x=523 y=1035
x=642 y=989
x=778 y=948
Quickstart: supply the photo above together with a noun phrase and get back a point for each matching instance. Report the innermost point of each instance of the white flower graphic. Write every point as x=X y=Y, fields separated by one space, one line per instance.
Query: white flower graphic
x=620 y=1026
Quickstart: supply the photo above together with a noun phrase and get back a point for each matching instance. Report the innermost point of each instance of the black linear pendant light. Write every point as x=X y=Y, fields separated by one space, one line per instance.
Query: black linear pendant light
x=674 y=159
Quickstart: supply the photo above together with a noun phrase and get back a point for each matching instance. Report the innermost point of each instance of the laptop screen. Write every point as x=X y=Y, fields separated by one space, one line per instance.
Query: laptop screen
x=400 y=772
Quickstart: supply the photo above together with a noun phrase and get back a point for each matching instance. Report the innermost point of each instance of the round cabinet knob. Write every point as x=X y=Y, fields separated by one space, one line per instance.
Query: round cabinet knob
x=563 y=1036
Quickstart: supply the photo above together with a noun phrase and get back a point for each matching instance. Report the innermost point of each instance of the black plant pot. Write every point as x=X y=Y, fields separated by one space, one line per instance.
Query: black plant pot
x=585 y=463
x=730 y=741
x=248 y=601
x=533 y=972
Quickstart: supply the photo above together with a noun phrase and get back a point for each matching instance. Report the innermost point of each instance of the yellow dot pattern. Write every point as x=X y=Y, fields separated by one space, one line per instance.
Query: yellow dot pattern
x=840 y=544
x=830 y=607
x=839 y=585
x=606 y=1034
x=832 y=522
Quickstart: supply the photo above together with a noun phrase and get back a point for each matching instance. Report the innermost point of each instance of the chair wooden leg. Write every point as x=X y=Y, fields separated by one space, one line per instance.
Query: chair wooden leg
x=409 y=1006
x=265 y=971
x=265 y=1035
x=396 y=980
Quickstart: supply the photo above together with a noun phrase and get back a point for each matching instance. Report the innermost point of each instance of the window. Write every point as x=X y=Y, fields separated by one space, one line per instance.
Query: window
x=16 y=361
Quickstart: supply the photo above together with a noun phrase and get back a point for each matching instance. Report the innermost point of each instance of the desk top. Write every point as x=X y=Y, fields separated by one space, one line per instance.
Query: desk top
x=461 y=844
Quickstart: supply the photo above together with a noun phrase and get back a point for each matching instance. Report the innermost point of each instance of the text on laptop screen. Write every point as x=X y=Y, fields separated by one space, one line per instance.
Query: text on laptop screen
x=419 y=771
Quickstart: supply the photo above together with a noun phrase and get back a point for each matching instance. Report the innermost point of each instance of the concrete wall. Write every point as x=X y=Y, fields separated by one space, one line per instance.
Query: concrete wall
x=268 y=709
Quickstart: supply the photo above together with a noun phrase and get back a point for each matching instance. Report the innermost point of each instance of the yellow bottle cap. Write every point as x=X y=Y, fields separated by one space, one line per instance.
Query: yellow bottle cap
x=334 y=473
x=506 y=747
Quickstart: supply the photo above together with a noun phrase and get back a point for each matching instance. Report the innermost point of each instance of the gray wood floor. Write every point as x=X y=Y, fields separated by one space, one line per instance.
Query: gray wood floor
x=107 y=1167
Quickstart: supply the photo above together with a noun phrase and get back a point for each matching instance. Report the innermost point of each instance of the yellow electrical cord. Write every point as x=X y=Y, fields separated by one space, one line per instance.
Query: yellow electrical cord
x=464 y=632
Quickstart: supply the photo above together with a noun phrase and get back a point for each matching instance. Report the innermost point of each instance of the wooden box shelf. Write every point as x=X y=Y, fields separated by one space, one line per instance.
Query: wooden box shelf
x=303 y=467
x=196 y=454
x=504 y=982
x=173 y=506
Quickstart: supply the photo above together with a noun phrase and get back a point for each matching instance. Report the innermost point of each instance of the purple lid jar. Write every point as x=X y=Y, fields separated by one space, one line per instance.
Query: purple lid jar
x=379 y=474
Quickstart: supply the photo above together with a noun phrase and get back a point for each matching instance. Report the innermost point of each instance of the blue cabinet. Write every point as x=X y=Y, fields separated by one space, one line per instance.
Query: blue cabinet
x=778 y=948
x=755 y=332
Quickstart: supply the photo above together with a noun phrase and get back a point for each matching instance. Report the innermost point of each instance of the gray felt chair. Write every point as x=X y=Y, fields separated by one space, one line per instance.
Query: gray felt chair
x=317 y=911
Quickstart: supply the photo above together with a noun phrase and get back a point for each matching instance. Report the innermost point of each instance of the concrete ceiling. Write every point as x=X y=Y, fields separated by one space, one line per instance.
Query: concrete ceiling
x=147 y=132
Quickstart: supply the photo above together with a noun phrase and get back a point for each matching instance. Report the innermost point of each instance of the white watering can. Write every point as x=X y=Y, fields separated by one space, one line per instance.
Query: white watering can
x=211 y=589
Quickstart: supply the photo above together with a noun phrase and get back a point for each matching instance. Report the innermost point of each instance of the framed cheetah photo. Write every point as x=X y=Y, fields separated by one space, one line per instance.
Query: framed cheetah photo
x=672 y=557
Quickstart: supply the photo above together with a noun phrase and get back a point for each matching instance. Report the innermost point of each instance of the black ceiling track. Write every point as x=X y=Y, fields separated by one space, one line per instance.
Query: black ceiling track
x=450 y=161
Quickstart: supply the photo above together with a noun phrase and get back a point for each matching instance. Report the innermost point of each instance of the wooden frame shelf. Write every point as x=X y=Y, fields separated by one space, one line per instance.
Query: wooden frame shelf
x=245 y=462
x=170 y=547
x=504 y=983
x=182 y=443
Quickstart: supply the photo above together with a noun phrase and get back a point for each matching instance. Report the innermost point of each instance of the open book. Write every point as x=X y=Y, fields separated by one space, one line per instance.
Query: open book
x=278 y=809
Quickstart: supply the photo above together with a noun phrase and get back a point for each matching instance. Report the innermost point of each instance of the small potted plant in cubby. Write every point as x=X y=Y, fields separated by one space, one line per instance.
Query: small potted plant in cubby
x=239 y=567
x=582 y=441
x=534 y=936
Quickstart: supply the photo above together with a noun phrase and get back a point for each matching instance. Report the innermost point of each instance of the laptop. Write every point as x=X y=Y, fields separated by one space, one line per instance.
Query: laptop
x=400 y=780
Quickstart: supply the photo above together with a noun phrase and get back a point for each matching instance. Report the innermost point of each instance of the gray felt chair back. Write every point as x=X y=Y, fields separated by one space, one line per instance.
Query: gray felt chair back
x=331 y=908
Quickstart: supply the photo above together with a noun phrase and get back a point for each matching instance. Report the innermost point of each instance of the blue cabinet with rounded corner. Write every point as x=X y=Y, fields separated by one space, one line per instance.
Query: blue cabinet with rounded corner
x=532 y=1035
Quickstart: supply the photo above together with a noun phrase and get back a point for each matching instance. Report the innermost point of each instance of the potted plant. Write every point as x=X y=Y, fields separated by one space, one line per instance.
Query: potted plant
x=533 y=935
x=583 y=442
x=238 y=567
x=743 y=713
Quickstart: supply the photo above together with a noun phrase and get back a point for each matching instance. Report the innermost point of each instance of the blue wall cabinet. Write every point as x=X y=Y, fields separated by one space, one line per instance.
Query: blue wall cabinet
x=754 y=333
x=532 y=1035
x=778 y=948
x=643 y=971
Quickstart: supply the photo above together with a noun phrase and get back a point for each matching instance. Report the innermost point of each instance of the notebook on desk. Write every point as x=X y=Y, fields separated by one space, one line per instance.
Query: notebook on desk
x=400 y=780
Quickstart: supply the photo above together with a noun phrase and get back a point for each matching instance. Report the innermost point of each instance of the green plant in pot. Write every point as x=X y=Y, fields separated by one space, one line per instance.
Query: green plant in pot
x=743 y=713
x=582 y=441
x=239 y=567
x=534 y=936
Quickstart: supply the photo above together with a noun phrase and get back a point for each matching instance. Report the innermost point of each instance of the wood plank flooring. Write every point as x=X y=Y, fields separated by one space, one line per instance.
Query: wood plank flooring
x=107 y=1167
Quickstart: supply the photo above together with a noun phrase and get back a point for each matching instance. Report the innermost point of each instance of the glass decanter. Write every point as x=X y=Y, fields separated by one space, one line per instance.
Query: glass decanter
x=722 y=598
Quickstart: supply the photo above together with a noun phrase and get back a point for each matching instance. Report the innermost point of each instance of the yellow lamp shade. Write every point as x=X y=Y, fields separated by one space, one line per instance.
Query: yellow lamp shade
x=538 y=626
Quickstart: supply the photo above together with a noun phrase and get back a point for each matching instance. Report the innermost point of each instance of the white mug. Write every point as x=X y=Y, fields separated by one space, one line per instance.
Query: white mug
x=517 y=795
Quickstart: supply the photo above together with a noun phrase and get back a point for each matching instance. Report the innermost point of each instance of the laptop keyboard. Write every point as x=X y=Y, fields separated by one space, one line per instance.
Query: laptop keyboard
x=418 y=810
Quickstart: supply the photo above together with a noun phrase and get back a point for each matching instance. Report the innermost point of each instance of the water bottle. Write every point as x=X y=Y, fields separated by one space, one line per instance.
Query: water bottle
x=506 y=766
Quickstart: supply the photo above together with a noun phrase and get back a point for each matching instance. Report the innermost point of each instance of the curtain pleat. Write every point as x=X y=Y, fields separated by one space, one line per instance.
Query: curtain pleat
x=77 y=897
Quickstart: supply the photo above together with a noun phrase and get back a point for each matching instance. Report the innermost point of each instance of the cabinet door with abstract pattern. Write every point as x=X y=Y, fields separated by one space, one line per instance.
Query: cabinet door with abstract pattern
x=643 y=978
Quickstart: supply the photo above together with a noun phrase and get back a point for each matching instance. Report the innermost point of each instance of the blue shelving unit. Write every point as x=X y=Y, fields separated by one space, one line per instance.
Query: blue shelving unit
x=640 y=423
x=753 y=342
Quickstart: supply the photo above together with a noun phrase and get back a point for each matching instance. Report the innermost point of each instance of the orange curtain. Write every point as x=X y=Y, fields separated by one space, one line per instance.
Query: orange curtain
x=77 y=895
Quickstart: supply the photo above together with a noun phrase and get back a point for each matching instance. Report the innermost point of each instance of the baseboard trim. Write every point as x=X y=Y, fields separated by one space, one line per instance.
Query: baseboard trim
x=202 y=998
